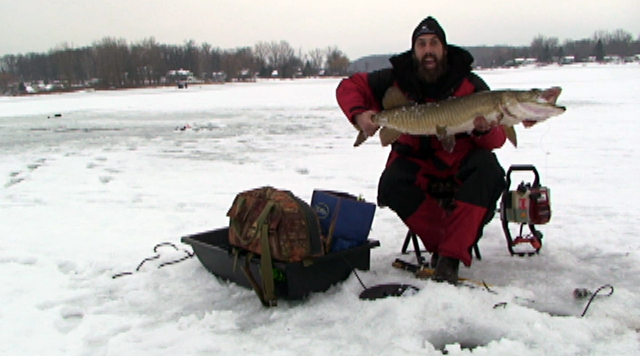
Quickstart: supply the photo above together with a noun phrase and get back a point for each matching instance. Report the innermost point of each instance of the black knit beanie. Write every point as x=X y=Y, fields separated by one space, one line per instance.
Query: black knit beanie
x=428 y=26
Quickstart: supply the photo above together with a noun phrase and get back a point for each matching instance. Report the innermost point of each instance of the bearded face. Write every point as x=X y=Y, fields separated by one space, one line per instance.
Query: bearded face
x=430 y=58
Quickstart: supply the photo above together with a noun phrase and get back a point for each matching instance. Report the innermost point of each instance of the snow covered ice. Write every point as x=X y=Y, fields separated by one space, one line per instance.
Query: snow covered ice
x=87 y=195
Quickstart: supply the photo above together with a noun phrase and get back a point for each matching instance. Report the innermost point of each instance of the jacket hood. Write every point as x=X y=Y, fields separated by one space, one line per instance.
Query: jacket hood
x=459 y=61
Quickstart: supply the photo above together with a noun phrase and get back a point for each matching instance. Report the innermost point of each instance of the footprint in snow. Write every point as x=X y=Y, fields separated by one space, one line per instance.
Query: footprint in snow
x=70 y=318
x=13 y=181
x=105 y=179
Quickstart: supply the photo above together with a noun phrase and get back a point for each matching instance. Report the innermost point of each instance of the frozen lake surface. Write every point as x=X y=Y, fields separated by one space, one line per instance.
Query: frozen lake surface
x=88 y=194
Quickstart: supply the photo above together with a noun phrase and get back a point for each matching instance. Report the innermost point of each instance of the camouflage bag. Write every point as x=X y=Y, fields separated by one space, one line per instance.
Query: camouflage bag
x=276 y=225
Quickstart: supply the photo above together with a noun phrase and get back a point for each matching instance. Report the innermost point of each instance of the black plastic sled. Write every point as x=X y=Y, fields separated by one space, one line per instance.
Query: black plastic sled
x=292 y=280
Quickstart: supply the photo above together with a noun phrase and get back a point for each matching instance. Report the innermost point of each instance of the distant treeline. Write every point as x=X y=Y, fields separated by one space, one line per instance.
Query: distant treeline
x=602 y=46
x=113 y=63
x=549 y=49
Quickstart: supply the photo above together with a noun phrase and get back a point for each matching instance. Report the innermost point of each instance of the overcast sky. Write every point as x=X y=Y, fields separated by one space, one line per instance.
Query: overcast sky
x=357 y=27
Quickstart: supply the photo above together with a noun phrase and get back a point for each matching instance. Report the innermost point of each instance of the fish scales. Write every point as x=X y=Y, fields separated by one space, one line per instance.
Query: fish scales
x=446 y=118
x=454 y=114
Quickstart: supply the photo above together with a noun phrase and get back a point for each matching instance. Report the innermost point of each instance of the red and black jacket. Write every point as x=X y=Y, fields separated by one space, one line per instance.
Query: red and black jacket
x=364 y=91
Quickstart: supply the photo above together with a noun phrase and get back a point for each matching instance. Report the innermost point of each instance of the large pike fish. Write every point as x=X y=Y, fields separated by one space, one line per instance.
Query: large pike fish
x=452 y=116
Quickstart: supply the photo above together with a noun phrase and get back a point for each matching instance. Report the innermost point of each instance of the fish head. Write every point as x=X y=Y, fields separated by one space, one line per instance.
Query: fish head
x=532 y=105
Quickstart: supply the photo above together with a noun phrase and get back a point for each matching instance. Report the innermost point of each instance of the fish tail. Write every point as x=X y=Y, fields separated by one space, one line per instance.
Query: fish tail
x=511 y=135
x=360 y=139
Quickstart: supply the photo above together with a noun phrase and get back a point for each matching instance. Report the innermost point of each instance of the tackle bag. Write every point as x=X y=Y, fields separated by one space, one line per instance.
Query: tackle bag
x=345 y=220
x=274 y=224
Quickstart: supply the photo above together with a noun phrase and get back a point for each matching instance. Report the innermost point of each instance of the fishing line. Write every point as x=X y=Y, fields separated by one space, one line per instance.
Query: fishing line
x=578 y=293
x=157 y=256
x=546 y=153
x=581 y=293
x=354 y=272
x=546 y=163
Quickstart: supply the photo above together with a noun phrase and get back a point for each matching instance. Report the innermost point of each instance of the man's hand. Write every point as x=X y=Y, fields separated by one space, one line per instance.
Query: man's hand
x=481 y=125
x=363 y=120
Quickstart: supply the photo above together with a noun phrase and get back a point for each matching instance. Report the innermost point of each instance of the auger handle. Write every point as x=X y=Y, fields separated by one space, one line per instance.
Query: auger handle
x=523 y=168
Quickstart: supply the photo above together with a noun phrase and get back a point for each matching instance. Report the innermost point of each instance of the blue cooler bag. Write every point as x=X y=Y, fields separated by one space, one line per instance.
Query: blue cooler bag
x=345 y=220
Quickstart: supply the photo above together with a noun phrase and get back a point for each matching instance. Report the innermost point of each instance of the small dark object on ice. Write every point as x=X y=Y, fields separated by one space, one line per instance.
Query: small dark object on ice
x=388 y=290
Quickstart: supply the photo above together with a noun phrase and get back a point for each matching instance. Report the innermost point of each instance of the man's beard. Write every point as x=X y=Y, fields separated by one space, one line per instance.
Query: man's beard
x=431 y=75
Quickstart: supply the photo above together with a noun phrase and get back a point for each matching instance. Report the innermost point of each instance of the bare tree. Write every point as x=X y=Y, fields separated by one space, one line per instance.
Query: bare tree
x=192 y=58
x=7 y=80
x=316 y=60
x=261 y=52
x=64 y=58
x=155 y=66
x=620 y=43
x=337 y=62
x=278 y=56
x=601 y=35
x=544 y=48
x=205 y=60
x=581 y=49
x=87 y=65
x=111 y=57
x=238 y=64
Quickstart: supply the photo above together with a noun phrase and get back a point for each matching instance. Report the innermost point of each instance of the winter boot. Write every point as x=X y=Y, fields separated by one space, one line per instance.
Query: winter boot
x=434 y=260
x=447 y=270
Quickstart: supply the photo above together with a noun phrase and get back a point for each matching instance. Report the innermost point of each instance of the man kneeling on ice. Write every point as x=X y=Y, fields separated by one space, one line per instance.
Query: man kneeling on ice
x=443 y=195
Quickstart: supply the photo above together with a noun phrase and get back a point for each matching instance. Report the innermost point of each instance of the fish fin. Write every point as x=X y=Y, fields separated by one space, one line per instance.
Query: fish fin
x=551 y=95
x=448 y=142
x=388 y=135
x=441 y=132
x=394 y=98
x=511 y=135
x=360 y=139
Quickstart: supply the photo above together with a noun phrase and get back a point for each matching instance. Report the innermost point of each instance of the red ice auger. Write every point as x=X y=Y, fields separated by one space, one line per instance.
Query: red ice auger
x=527 y=205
